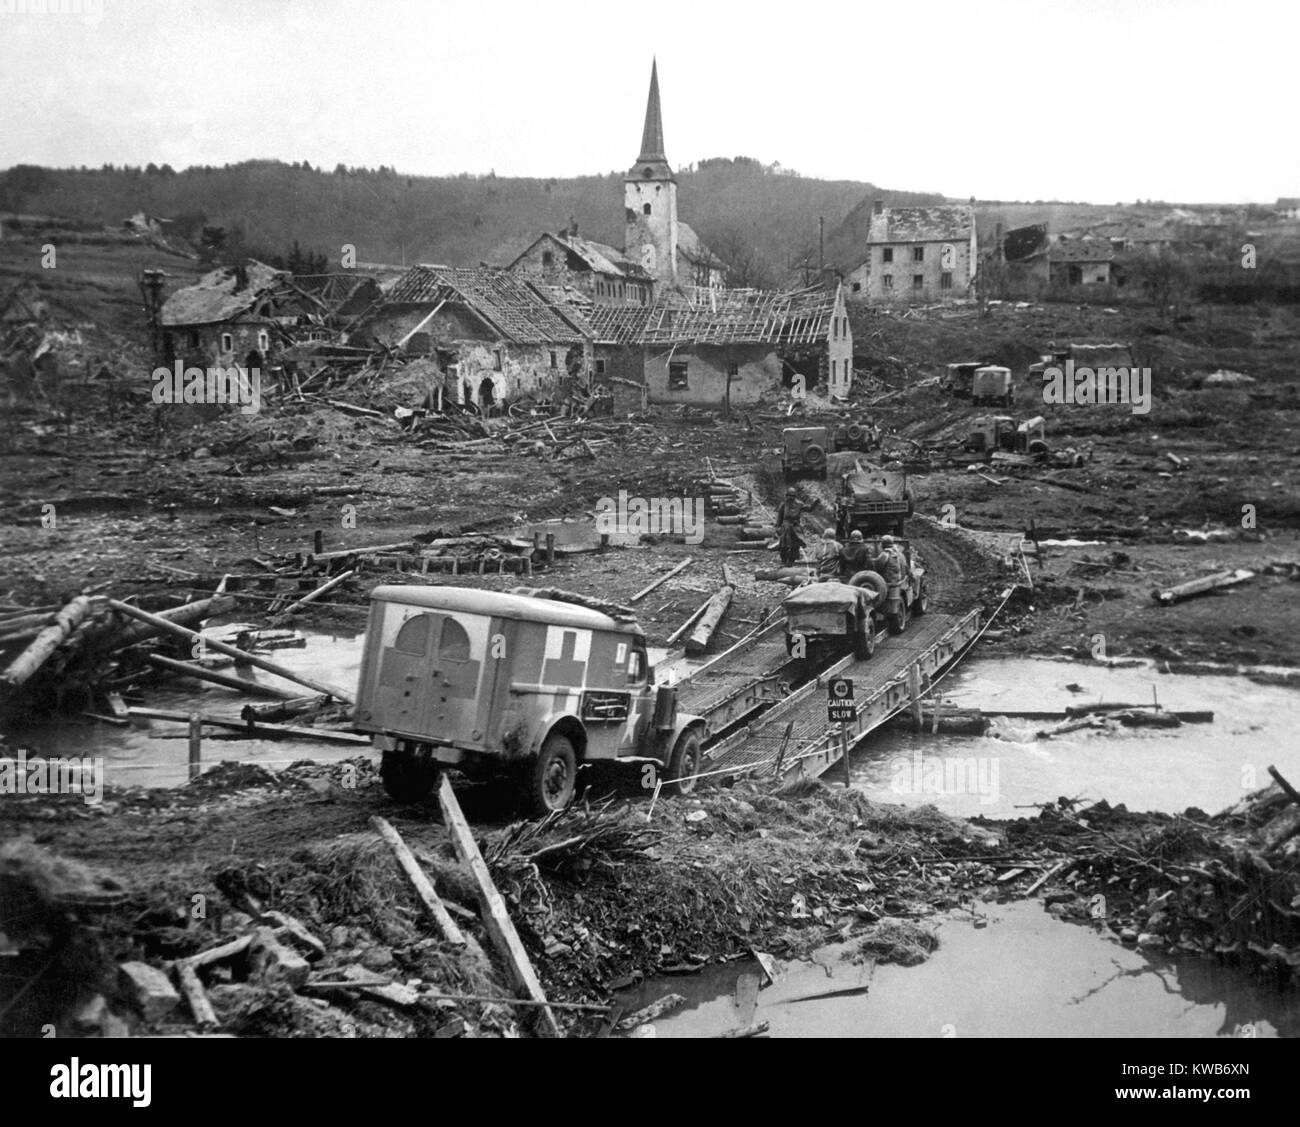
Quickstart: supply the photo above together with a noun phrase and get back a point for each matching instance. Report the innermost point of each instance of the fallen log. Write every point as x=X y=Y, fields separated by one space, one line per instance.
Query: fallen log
x=222 y=647
x=657 y=1009
x=119 y=638
x=195 y=995
x=699 y=638
x=1219 y=580
x=695 y=614
x=641 y=594
x=495 y=916
x=187 y=669
x=281 y=709
x=246 y=730
x=756 y=1030
x=45 y=643
x=366 y=550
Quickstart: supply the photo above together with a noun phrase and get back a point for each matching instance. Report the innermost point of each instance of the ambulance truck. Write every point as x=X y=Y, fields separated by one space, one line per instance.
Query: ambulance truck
x=509 y=683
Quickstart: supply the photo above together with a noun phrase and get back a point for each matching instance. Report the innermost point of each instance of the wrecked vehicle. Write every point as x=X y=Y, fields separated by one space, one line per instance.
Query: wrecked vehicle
x=820 y=616
x=513 y=684
x=872 y=501
x=991 y=385
x=1003 y=441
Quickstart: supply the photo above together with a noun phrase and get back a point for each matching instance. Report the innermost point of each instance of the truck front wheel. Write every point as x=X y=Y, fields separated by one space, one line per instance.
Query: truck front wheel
x=406 y=779
x=550 y=780
x=684 y=763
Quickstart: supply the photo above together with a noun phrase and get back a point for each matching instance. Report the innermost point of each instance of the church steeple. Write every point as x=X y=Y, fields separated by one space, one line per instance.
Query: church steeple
x=652 y=138
x=650 y=198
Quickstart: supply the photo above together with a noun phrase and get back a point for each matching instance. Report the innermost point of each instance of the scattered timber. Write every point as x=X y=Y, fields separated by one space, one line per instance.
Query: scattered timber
x=222 y=647
x=1193 y=587
x=239 y=684
x=424 y=890
x=641 y=594
x=495 y=916
x=323 y=589
x=708 y=622
x=45 y=643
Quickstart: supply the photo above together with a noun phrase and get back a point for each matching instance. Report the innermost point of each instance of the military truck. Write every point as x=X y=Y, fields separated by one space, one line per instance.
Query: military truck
x=805 y=450
x=957 y=378
x=991 y=385
x=1084 y=355
x=821 y=617
x=872 y=500
x=513 y=684
x=1003 y=441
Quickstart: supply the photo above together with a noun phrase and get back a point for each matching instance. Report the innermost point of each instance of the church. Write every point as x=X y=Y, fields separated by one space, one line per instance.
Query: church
x=660 y=252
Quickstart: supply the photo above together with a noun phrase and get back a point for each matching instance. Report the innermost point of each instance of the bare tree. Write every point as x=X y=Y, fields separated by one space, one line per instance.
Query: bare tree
x=746 y=268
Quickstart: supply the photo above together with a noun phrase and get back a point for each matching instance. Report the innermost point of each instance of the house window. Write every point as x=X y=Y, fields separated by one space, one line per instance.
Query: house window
x=645 y=209
x=548 y=259
x=600 y=367
x=918 y=281
x=857 y=287
x=945 y=280
x=918 y=254
x=887 y=282
x=496 y=359
x=677 y=375
x=194 y=339
x=227 y=342
x=887 y=255
x=264 y=340
x=553 y=363
x=733 y=369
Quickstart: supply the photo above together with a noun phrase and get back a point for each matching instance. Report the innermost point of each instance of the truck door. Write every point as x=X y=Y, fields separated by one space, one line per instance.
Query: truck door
x=642 y=698
x=428 y=678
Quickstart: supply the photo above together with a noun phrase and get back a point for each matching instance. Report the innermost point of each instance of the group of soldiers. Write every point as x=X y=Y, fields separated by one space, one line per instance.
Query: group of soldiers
x=832 y=559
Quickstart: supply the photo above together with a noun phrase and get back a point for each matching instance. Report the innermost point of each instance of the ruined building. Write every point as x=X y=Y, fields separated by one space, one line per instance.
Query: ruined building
x=916 y=254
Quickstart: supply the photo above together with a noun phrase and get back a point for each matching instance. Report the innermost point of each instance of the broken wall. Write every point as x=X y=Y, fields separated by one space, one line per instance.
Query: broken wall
x=754 y=370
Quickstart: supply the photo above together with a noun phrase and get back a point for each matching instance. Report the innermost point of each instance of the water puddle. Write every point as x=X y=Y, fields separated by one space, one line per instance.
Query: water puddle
x=1209 y=766
x=1026 y=974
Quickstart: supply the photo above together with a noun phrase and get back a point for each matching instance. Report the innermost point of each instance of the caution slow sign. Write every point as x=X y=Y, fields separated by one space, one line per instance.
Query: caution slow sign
x=839 y=700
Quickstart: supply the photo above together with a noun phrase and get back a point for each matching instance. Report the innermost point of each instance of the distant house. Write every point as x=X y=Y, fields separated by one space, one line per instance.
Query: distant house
x=744 y=344
x=1082 y=262
x=230 y=316
x=492 y=334
x=1288 y=207
x=599 y=271
x=916 y=254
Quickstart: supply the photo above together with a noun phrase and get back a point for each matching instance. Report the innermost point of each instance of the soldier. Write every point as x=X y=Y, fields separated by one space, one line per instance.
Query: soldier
x=826 y=556
x=891 y=563
x=853 y=556
x=787 y=528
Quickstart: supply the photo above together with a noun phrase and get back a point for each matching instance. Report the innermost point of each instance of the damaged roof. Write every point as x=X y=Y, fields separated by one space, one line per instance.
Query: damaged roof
x=921 y=224
x=597 y=256
x=218 y=296
x=508 y=303
x=689 y=244
x=741 y=317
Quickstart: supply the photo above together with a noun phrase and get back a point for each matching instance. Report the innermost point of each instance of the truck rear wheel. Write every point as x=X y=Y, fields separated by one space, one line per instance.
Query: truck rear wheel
x=550 y=780
x=406 y=778
x=864 y=639
x=684 y=764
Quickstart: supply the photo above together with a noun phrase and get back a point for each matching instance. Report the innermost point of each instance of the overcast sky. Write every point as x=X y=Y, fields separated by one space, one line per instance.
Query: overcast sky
x=1097 y=100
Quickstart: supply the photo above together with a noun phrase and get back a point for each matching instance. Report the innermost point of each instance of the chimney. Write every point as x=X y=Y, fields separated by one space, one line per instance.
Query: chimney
x=879 y=208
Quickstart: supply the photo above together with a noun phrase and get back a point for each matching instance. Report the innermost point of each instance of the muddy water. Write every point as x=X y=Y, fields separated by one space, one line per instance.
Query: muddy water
x=155 y=753
x=1208 y=766
x=1025 y=974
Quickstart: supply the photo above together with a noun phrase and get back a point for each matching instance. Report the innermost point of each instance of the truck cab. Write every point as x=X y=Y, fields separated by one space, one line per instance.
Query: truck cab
x=512 y=684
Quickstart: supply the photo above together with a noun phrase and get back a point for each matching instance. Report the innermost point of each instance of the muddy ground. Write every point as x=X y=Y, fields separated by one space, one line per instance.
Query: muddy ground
x=166 y=500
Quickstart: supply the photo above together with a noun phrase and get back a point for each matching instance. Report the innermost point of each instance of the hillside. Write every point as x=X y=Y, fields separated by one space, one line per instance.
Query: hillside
x=268 y=205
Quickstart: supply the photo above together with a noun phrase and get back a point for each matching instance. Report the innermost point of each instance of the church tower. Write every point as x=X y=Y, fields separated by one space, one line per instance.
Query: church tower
x=650 y=199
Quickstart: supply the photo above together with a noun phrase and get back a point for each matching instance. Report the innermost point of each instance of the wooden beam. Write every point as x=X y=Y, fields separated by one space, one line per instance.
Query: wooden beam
x=641 y=594
x=423 y=887
x=188 y=669
x=495 y=916
x=323 y=589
